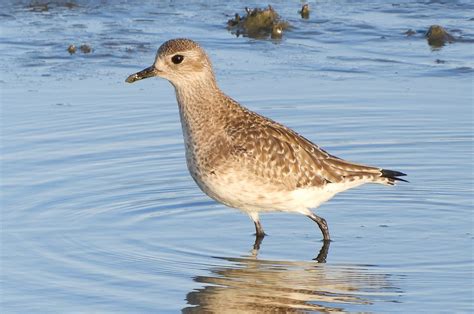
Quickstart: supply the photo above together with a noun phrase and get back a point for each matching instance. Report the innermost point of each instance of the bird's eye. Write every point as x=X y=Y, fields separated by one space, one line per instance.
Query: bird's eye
x=177 y=59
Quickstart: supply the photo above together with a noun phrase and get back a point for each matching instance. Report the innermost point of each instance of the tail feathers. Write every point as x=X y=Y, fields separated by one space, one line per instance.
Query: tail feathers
x=392 y=176
x=356 y=172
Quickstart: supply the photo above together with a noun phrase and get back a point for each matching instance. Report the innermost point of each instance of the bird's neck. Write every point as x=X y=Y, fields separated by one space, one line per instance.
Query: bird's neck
x=197 y=99
x=203 y=108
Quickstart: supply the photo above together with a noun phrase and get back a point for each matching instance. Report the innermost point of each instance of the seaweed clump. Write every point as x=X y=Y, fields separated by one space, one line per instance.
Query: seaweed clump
x=258 y=23
x=304 y=12
x=72 y=49
x=84 y=48
x=437 y=36
x=46 y=6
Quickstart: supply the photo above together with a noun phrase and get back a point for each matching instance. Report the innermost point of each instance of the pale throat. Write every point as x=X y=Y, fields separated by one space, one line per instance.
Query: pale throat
x=199 y=108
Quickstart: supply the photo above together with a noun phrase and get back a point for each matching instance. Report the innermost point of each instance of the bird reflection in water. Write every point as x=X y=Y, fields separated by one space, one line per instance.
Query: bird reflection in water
x=250 y=285
x=320 y=258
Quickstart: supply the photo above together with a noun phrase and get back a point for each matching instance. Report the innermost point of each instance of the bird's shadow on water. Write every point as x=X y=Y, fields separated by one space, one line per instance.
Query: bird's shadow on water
x=251 y=285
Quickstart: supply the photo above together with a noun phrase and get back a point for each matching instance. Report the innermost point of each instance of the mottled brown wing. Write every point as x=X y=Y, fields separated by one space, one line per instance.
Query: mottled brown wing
x=275 y=152
x=334 y=169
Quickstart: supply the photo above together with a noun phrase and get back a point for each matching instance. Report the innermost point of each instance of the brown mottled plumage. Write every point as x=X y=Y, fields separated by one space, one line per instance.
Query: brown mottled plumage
x=245 y=160
x=171 y=47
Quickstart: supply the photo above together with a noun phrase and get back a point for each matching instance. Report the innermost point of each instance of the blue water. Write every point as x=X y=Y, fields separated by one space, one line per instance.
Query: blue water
x=99 y=214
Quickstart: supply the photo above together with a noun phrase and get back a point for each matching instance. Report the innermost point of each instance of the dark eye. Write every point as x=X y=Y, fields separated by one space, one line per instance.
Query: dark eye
x=177 y=59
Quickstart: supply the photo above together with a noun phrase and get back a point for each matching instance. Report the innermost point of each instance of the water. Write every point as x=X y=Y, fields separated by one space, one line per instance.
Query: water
x=99 y=213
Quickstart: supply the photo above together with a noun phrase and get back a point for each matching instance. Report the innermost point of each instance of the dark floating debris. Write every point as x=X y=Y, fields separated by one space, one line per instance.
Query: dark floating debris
x=84 y=48
x=70 y=5
x=277 y=31
x=304 y=11
x=410 y=32
x=437 y=36
x=258 y=23
x=72 y=49
x=38 y=7
x=46 y=6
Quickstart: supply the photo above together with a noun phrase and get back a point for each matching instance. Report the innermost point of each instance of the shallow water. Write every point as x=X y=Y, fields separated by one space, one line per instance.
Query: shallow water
x=99 y=213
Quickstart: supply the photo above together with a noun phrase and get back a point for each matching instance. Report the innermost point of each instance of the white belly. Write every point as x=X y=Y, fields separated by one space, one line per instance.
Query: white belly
x=256 y=195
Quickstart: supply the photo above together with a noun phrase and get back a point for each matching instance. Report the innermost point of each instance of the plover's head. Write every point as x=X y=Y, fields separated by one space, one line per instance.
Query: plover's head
x=180 y=61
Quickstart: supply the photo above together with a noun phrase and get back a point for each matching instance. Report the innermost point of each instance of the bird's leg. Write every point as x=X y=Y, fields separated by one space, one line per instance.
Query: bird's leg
x=323 y=252
x=256 y=245
x=259 y=233
x=322 y=225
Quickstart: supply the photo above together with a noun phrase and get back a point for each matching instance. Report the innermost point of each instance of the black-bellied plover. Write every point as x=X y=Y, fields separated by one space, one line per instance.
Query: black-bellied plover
x=245 y=160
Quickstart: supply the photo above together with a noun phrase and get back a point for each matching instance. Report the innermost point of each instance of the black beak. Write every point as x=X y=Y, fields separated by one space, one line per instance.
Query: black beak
x=143 y=74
